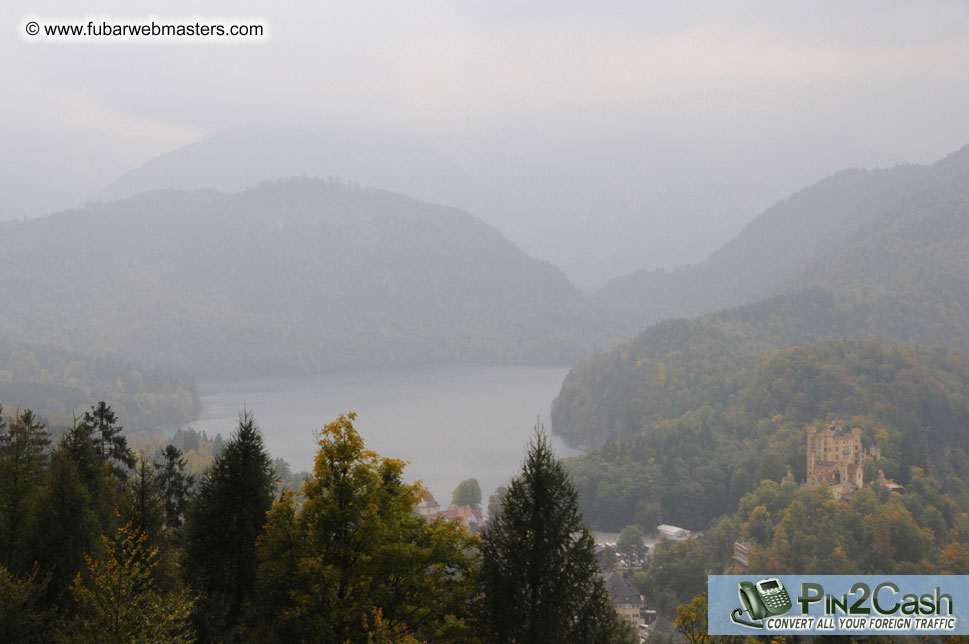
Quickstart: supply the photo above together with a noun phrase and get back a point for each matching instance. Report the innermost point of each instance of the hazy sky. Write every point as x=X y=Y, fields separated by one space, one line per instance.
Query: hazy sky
x=889 y=77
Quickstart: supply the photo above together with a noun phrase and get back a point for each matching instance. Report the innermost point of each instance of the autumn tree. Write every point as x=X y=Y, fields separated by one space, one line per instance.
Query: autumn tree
x=355 y=563
x=226 y=517
x=691 y=624
x=691 y=620
x=117 y=599
x=540 y=580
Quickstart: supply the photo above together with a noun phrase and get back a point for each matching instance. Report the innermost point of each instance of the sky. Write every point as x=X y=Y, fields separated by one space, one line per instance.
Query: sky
x=807 y=86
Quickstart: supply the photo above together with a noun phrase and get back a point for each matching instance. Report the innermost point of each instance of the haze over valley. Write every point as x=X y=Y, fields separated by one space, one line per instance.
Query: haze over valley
x=478 y=323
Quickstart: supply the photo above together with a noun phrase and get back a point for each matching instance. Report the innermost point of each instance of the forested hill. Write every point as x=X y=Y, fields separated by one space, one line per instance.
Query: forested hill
x=905 y=272
x=680 y=365
x=288 y=277
x=689 y=468
x=58 y=384
x=899 y=273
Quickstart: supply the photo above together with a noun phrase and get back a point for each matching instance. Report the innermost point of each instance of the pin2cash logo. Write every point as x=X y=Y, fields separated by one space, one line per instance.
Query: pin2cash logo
x=765 y=598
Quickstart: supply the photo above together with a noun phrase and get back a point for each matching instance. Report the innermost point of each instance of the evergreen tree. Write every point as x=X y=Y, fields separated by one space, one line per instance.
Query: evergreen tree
x=540 y=578
x=175 y=486
x=62 y=527
x=109 y=443
x=144 y=510
x=24 y=617
x=144 y=507
x=23 y=459
x=226 y=517
x=102 y=488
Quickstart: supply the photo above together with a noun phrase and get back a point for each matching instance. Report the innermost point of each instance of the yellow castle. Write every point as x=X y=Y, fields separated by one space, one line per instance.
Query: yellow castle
x=836 y=458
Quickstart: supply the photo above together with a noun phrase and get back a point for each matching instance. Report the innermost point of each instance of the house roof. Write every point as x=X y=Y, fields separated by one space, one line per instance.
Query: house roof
x=462 y=512
x=620 y=590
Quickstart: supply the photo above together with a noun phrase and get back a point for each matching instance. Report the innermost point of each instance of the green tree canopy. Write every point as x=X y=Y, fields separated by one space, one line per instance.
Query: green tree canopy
x=630 y=540
x=468 y=492
x=23 y=459
x=110 y=444
x=675 y=571
x=224 y=521
x=118 y=602
x=355 y=561
x=24 y=617
x=175 y=485
x=62 y=527
x=540 y=579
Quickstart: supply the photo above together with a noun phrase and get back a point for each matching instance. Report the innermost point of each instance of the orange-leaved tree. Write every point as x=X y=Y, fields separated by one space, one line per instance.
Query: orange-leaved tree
x=118 y=600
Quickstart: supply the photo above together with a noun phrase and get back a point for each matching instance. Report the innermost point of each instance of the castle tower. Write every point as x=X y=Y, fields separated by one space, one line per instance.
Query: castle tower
x=812 y=451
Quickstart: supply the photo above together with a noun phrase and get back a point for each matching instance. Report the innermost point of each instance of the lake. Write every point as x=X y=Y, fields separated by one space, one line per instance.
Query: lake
x=450 y=423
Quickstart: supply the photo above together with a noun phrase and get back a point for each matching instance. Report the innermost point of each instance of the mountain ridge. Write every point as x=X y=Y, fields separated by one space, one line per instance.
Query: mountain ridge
x=291 y=277
x=785 y=236
x=597 y=208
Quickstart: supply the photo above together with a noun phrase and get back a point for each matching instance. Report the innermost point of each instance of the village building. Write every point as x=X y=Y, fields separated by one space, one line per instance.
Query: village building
x=628 y=603
x=742 y=552
x=470 y=518
x=428 y=507
x=672 y=532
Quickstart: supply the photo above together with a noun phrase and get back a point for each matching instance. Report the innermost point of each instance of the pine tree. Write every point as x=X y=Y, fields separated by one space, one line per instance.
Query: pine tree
x=62 y=527
x=144 y=510
x=23 y=459
x=110 y=444
x=226 y=517
x=144 y=507
x=175 y=485
x=540 y=578
x=97 y=476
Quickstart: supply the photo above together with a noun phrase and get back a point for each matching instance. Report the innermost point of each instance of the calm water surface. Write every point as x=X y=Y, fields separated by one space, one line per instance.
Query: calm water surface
x=450 y=423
